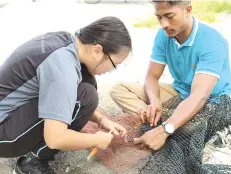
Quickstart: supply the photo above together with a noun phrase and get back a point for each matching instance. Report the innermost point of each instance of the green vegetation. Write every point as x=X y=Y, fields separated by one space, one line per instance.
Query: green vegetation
x=203 y=10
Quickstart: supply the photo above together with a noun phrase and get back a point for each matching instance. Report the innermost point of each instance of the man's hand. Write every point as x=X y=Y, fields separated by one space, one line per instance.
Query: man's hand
x=104 y=139
x=153 y=139
x=110 y=125
x=152 y=113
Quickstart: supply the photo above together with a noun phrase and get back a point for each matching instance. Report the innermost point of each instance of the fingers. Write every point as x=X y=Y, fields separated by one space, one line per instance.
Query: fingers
x=157 y=118
x=137 y=141
x=115 y=132
x=121 y=130
x=111 y=137
x=143 y=147
x=147 y=114
x=152 y=116
x=155 y=148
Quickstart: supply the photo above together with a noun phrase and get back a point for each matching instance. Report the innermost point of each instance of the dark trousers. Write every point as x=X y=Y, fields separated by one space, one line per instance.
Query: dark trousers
x=23 y=131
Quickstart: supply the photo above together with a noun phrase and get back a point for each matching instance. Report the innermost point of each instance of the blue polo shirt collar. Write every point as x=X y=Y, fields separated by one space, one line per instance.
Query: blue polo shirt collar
x=189 y=42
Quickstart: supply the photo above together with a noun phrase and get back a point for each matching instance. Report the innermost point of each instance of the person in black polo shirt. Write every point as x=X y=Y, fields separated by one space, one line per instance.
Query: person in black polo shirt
x=48 y=93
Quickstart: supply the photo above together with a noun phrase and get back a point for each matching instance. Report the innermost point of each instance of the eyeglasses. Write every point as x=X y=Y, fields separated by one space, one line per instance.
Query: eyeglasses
x=107 y=54
x=111 y=60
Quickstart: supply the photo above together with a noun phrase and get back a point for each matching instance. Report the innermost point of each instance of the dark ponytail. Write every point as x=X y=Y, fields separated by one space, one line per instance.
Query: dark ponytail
x=109 y=32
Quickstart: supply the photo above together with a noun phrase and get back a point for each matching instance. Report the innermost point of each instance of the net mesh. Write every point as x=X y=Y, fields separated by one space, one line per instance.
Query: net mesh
x=183 y=151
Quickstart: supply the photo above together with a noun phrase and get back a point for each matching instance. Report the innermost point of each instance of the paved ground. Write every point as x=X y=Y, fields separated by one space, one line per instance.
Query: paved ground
x=23 y=19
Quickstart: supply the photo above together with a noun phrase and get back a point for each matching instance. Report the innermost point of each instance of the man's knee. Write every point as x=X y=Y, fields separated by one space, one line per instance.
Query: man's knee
x=87 y=95
x=116 y=90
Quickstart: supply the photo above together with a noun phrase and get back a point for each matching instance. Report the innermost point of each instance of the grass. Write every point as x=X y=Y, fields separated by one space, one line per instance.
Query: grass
x=203 y=10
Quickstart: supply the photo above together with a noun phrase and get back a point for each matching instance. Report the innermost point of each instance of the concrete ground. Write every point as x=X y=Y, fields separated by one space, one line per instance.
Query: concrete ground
x=22 y=20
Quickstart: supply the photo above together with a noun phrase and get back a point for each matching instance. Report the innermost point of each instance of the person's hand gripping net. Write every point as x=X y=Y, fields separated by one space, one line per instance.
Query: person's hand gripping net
x=151 y=114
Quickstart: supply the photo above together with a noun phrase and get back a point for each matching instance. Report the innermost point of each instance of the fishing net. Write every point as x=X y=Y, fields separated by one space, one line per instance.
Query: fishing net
x=183 y=151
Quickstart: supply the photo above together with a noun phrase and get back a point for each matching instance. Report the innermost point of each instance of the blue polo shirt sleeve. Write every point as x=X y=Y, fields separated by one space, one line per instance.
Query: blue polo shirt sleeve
x=158 y=50
x=212 y=58
x=58 y=81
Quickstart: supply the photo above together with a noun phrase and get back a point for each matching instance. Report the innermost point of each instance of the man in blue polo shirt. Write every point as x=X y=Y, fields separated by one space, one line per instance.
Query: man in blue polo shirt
x=198 y=60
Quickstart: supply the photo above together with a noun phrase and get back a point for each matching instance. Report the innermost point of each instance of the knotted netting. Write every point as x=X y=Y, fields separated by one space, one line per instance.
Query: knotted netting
x=183 y=151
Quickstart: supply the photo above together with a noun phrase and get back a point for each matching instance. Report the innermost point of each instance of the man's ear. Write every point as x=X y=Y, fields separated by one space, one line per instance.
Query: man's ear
x=97 y=51
x=188 y=10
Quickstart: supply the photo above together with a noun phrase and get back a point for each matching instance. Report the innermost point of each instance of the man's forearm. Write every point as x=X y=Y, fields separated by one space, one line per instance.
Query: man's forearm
x=152 y=89
x=187 y=110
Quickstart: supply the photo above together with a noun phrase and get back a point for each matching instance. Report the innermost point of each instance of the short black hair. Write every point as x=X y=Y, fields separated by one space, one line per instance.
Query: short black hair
x=109 y=32
x=174 y=2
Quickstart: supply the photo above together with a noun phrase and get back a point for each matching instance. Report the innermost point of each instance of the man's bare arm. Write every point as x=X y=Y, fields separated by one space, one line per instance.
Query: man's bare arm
x=201 y=89
x=152 y=90
x=151 y=86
